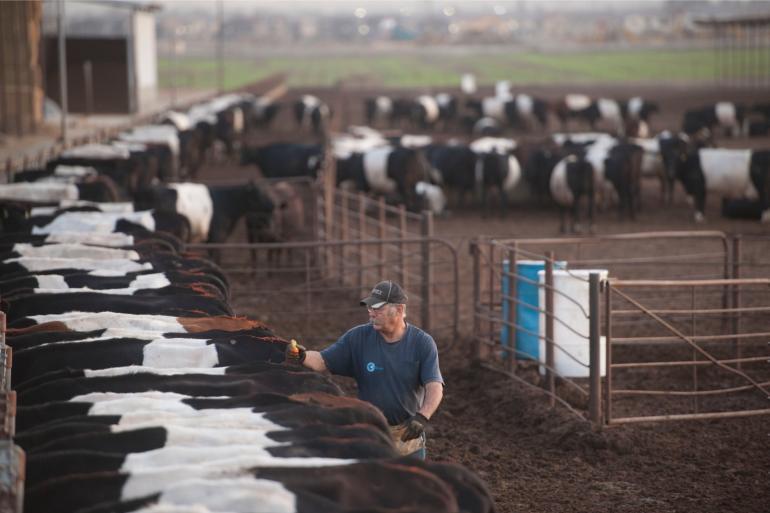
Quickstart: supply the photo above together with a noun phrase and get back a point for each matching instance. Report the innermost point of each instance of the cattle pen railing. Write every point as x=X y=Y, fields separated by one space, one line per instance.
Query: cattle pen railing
x=311 y=289
x=537 y=317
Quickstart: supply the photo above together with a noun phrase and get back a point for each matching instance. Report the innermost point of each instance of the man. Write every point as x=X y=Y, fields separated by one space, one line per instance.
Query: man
x=394 y=363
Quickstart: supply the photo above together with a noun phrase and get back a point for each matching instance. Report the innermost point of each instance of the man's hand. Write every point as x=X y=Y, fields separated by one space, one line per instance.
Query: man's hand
x=415 y=425
x=295 y=353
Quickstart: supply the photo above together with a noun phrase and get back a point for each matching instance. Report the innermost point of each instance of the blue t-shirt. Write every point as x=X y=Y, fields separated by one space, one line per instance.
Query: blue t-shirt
x=392 y=376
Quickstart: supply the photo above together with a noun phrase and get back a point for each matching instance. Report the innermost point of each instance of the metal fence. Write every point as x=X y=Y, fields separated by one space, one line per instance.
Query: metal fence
x=311 y=287
x=554 y=339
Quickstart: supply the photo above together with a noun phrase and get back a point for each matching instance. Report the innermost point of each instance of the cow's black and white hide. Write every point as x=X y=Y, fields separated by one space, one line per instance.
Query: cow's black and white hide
x=212 y=211
x=638 y=109
x=623 y=169
x=378 y=111
x=604 y=112
x=284 y=160
x=386 y=171
x=312 y=114
x=527 y=113
x=723 y=117
x=571 y=180
x=729 y=173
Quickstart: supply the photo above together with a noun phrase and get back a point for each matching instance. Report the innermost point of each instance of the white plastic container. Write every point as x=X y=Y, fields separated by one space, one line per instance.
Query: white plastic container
x=571 y=323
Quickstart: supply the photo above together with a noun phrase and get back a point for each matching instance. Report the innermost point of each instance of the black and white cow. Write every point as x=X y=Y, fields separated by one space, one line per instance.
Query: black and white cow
x=727 y=116
x=283 y=160
x=637 y=108
x=212 y=211
x=660 y=158
x=259 y=112
x=527 y=112
x=311 y=113
x=729 y=173
x=623 y=169
x=593 y=112
x=387 y=171
x=571 y=180
x=378 y=111
x=478 y=167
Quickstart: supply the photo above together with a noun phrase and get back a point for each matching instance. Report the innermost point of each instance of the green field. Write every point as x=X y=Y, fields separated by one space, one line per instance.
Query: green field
x=443 y=70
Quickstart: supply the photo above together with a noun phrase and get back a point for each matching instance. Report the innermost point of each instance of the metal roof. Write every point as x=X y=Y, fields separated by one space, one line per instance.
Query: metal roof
x=759 y=20
x=134 y=5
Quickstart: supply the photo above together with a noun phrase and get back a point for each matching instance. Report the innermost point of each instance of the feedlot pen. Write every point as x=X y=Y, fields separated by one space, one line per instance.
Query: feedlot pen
x=679 y=330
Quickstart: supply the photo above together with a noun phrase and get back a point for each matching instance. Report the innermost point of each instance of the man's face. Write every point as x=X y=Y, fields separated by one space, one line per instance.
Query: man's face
x=385 y=318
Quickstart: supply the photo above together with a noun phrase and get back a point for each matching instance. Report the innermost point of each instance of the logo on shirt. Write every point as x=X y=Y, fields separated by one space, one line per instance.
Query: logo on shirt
x=371 y=367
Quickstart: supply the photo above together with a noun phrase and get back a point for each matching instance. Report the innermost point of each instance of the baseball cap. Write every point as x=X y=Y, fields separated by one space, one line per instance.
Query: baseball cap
x=385 y=292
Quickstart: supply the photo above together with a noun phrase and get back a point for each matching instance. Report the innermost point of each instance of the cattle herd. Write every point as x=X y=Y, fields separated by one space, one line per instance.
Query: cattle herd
x=138 y=389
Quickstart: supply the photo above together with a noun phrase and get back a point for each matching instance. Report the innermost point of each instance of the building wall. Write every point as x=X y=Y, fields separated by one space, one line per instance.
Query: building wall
x=109 y=71
x=146 y=61
x=21 y=93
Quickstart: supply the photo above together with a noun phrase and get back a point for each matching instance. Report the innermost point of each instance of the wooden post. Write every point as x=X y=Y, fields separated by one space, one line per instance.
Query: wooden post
x=490 y=305
x=427 y=278
x=594 y=361
x=512 y=358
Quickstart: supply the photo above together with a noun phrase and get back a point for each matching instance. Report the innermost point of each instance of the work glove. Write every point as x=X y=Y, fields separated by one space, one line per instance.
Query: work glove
x=415 y=426
x=295 y=353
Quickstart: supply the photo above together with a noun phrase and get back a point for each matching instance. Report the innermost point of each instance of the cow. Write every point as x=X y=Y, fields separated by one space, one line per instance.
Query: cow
x=463 y=170
x=527 y=112
x=192 y=381
x=660 y=157
x=91 y=188
x=212 y=211
x=433 y=197
x=164 y=139
x=623 y=168
x=730 y=173
x=378 y=110
x=129 y=165
x=388 y=171
x=727 y=116
x=591 y=111
x=259 y=112
x=159 y=352
x=426 y=112
x=312 y=114
x=333 y=489
x=638 y=109
x=572 y=179
x=200 y=301
x=285 y=225
x=284 y=160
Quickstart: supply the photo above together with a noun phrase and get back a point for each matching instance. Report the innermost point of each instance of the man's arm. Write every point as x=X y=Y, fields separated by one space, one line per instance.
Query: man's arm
x=434 y=392
x=314 y=360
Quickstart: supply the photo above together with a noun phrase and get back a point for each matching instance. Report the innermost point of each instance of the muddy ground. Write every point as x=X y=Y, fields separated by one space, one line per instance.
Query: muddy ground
x=535 y=458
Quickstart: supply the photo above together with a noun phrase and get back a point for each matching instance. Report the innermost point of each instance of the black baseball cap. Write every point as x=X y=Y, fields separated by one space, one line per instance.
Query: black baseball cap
x=385 y=292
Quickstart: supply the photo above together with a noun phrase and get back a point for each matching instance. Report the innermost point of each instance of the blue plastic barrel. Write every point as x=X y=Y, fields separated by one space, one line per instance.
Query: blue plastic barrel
x=527 y=306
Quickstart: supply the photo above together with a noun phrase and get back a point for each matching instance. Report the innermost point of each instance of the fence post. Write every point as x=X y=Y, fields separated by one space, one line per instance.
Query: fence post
x=427 y=278
x=594 y=369
x=361 y=237
x=550 y=378
x=608 y=351
x=512 y=359
x=736 y=303
x=490 y=305
x=381 y=235
x=344 y=213
x=402 y=245
x=474 y=249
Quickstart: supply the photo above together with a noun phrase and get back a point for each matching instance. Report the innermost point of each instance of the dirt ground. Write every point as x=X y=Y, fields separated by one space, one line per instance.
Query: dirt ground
x=535 y=458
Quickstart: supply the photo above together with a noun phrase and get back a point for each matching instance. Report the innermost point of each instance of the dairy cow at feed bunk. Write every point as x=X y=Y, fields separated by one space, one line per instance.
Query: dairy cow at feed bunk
x=729 y=173
x=284 y=160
